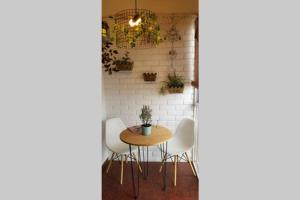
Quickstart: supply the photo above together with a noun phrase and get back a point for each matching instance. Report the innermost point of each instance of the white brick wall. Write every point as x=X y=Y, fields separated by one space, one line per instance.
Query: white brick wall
x=126 y=92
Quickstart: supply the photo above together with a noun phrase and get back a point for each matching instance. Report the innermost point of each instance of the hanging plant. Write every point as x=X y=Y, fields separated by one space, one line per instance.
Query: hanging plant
x=125 y=63
x=109 y=57
x=105 y=32
x=148 y=30
x=174 y=84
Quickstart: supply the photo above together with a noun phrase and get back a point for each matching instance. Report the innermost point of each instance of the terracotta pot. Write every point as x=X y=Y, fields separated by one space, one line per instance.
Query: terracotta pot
x=149 y=76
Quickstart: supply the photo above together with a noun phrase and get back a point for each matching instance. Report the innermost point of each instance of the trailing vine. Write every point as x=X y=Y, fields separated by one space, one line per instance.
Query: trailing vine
x=109 y=57
x=148 y=28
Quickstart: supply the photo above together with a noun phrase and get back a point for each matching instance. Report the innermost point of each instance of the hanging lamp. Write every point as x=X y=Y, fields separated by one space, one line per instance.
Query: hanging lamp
x=136 y=20
x=136 y=28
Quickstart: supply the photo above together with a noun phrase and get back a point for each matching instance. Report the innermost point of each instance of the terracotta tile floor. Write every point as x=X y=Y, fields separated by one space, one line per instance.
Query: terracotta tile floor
x=150 y=189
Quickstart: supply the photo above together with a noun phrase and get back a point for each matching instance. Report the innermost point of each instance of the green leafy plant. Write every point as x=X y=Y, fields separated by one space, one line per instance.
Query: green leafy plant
x=105 y=30
x=109 y=57
x=125 y=63
x=175 y=81
x=174 y=84
x=148 y=28
x=146 y=116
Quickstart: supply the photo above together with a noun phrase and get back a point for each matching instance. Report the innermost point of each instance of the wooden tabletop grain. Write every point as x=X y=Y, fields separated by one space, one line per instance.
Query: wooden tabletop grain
x=159 y=135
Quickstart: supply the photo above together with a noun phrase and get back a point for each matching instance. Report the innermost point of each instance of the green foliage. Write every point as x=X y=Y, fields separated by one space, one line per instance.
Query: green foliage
x=148 y=28
x=109 y=57
x=124 y=60
x=175 y=81
x=146 y=115
x=105 y=28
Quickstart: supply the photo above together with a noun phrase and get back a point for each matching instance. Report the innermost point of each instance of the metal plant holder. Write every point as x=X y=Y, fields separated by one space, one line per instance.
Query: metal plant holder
x=172 y=36
x=122 y=18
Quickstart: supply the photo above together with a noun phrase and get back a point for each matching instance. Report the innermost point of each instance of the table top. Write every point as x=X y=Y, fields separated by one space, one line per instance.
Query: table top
x=159 y=135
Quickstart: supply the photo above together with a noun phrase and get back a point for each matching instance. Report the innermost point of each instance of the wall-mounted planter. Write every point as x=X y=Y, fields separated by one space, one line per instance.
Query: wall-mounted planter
x=124 y=66
x=174 y=90
x=149 y=77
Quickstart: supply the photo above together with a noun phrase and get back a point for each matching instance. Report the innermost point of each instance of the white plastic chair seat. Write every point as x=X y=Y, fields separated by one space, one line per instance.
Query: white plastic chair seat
x=176 y=146
x=114 y=127
x=183 y=139
x=122 y=148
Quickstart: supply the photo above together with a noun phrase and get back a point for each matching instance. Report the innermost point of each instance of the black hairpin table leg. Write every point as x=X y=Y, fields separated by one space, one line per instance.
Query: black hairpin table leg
x=144 y=163
x=147 y=162
x=138 y=171
x=132 y=174
x=165 y=170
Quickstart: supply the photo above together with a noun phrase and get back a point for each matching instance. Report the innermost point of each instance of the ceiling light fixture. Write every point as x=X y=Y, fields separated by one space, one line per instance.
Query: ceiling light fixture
x=136 y=20
x=136 y=28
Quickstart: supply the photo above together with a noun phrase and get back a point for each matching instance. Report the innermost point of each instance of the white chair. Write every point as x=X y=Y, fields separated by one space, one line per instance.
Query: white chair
x=119 y=149
x=180 y=144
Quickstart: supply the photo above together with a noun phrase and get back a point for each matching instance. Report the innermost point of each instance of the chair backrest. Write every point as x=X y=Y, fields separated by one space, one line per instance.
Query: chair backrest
x=113 y=127
x=185 y=131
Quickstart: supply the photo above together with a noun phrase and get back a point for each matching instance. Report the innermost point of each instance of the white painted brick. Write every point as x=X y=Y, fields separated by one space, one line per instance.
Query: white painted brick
x=126 y=92
x=149 y=86
x=111 y=81
x=126 y=81
x=189 y=55
x=162 y=123
x=167 y=107
x=172 y=123
x=155 y=108
x=165 y=62
x=167 y=117
x=175 y=112
x=188 y=37
x=160 y=112
x=112 y=92
x=185 y=101
x=128 y=102
x=158 y=102
x=115 y=102
x=175 y=102
x=129 y=112
x=143 y=102
x=180 y=107
x=179 y=118
x=179 y=44
x=189 y=44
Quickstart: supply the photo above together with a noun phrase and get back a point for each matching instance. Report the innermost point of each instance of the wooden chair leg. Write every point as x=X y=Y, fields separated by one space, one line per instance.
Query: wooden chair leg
x=121 y=179
x=126 y=156
x=190 y=163
x=137 y=162
x=110 y=162
x=162 y=162
x=175 y=169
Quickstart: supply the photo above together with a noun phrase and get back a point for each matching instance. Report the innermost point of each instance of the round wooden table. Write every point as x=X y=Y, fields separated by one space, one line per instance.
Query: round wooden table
x=159 y=136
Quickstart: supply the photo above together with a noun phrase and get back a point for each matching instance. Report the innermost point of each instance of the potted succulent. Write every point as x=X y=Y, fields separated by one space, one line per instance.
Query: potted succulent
x=125 y=63
x=145 y=117
x=149 y=77
x=175 y=84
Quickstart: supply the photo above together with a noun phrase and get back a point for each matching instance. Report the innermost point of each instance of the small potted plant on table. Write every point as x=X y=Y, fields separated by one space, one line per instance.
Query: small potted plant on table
x=145 y=117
